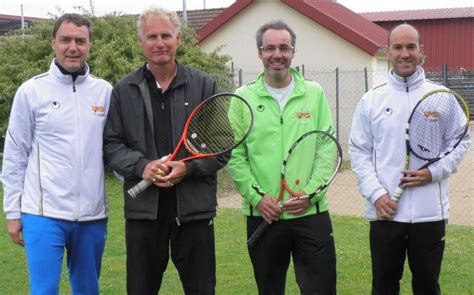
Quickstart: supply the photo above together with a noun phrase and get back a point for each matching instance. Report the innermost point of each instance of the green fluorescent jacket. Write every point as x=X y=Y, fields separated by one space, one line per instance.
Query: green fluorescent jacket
x=256 y=164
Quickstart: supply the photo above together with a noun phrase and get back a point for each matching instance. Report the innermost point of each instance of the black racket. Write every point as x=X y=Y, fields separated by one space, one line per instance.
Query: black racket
x=308 y=168
x=216 y=126
x=436 y=126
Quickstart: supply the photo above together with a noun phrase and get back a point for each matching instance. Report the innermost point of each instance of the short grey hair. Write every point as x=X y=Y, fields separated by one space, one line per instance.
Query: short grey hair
x=274 y=25
x=161 y=13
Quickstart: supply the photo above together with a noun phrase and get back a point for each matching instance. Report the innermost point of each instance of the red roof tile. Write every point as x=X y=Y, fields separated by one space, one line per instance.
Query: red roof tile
x=344 y=22
x=402 y=15
x=349 y=25
x=198 y=18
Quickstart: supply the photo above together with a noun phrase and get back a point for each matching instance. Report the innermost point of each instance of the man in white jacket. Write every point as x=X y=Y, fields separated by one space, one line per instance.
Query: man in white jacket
x=415 y=227
x=53 y=173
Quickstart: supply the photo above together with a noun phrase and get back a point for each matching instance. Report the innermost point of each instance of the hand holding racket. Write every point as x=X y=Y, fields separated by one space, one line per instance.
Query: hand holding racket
x=308 y=168
x=216 y=126
x=436 y=126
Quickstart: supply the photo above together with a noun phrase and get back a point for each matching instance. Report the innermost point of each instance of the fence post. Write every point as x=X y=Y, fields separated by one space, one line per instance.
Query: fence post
x=240 y=78
x=297 y=68
x=22 y=23
x=445 y=75
x=337 y=103
x=302 y=70
x=366 y=77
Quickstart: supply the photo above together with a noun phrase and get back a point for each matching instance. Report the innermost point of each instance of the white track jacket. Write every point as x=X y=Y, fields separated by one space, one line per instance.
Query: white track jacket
x=52 y=163
x=377 y=151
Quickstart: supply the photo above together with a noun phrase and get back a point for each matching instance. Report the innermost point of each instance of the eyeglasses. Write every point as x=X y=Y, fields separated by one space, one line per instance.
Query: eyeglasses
x=284 y=49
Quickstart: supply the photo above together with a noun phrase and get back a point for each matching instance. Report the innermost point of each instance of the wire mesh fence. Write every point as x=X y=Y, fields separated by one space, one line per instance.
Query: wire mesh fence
x=344 y=90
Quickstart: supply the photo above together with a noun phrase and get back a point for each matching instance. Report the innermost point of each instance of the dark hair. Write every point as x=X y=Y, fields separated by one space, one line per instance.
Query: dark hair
x=274 y=25
x=74 y=18
x=404 y=24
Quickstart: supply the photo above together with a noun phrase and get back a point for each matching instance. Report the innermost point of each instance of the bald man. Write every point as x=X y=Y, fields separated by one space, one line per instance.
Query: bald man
x=415 y=227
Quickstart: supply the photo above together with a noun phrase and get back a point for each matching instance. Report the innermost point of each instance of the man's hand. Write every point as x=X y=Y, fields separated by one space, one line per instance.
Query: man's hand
x=177 y=171
x=269 y=209
x=154 y=170
x=15 y=231
x=297 y=207
x=416 y=177
x=385 y=207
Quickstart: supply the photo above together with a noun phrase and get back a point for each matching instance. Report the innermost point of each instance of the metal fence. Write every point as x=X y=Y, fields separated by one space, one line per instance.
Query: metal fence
x=344 y=90
x=13 y=25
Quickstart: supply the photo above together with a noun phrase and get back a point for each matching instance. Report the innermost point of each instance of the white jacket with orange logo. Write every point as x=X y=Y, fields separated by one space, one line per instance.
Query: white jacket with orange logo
x=377 y=150
x=52 y=163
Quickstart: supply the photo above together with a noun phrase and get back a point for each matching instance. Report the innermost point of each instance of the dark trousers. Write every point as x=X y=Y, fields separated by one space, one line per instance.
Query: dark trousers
x=391 y=242
x=309 y=241
x=192 y=252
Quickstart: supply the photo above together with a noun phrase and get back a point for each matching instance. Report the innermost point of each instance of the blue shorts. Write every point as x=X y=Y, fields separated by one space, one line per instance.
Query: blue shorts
x=45 y=240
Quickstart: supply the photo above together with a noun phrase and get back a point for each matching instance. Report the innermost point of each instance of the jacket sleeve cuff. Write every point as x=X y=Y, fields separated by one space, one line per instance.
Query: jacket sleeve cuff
x=13 y=215
x=377 y=194
x=254 y=200
x=190 y=169
x=140 y=166
x=435 y=173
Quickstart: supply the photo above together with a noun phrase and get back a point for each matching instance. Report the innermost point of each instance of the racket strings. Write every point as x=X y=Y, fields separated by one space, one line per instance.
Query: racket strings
x=437 y=124
x=311 y=163
x=218 y=125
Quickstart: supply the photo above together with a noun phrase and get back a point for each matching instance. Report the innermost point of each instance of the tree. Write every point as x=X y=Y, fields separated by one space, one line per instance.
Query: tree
x=115 y=52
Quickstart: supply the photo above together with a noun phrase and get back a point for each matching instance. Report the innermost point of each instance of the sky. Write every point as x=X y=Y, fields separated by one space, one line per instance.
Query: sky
x=46 y=8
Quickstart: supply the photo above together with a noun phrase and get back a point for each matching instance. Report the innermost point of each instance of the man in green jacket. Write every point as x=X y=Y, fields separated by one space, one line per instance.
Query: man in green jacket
x=285 y=107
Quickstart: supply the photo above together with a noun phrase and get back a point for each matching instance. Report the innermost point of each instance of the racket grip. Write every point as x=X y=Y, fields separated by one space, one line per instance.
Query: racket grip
x=140 y=187
x=257 y=234
x=397 y=194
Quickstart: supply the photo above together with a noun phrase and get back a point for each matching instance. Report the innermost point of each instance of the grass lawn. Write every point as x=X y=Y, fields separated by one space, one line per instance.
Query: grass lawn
x=234 y=272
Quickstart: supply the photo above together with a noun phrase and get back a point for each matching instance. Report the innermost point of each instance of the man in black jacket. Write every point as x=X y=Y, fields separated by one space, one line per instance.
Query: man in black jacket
x=149 y=108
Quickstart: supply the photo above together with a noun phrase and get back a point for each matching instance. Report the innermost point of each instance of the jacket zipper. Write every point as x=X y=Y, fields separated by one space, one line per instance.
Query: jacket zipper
x=41 y=202
x=78 y=152
x=409 y=106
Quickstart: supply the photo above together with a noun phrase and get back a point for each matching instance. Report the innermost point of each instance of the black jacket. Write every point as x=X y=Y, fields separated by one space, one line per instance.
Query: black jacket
x=128 y=147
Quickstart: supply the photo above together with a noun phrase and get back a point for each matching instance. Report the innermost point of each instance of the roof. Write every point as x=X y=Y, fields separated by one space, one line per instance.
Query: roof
x=198 y=18
x=422 y=14
x=350 y=26
x=18 y=18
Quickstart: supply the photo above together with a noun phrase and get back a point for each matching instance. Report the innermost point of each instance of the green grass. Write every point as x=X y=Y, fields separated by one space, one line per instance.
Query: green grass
x=234 y=272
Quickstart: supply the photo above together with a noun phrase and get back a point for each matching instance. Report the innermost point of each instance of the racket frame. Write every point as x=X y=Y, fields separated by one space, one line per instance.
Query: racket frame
x=263 y=226
x=144 y=184
x=463 y=104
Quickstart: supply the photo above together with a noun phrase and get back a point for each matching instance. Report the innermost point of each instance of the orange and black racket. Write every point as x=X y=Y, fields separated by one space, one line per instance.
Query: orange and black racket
x=309 y=167
x=216 y=126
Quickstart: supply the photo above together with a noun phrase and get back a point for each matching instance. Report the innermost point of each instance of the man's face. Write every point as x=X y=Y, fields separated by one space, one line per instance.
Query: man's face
x=159 y=41
x=405 y=51
x=276 y=53
x=71 y=46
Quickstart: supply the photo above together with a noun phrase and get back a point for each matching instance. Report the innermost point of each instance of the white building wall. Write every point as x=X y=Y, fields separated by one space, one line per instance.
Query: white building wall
x=316 y=47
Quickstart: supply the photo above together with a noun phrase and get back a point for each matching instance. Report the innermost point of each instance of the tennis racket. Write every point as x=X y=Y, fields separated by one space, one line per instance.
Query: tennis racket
x=436 y=126
x=216 y=126
x=308 y=168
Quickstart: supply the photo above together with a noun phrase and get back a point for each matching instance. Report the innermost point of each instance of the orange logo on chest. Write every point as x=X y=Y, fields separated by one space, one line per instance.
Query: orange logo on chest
x=98 y=109
x=431 y=115
x=303 y=115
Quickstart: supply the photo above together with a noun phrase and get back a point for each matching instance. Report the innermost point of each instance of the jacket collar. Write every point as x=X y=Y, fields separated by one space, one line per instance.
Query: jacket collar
x=298 y=90
x=64 y=78
x=407 y=83
x=181 y=78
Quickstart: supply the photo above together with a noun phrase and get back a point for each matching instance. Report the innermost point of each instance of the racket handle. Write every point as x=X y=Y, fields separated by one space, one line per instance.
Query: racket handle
x=144 y=184
x=138 y=188
x=397 y=194
x=257 y=234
